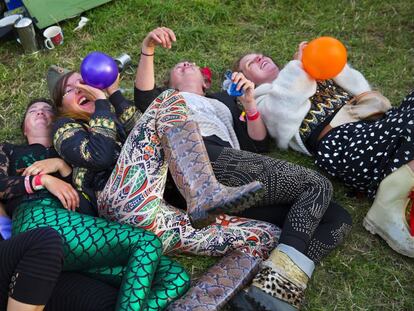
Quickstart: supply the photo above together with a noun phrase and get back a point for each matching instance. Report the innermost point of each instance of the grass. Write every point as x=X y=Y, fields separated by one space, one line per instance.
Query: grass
x=362 y=274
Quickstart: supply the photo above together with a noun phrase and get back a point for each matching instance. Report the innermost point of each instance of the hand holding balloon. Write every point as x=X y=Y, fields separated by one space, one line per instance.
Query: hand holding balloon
x=114 y=86
x=324 y=58
x=90 y=92
x=99 y=70
x=299 y=53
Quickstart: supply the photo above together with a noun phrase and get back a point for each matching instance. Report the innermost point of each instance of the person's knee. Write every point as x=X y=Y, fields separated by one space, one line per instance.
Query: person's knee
x=47 y=239
x=152 y=240
x=319 y=181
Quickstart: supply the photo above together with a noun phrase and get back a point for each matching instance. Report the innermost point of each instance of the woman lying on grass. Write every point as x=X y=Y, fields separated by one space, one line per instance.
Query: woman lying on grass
x=33 y=187
x=301 y=113
x=120 y=159
x=371 y=155
x=311 y=227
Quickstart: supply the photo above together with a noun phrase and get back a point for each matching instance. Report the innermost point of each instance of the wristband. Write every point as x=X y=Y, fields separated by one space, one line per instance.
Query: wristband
x=28 y=185
x=253 y=117
x=38 y=182
x=145 y=54
x=251 y=111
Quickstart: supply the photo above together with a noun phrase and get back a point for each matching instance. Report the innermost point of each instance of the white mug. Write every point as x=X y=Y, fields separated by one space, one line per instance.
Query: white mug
x=54 y=37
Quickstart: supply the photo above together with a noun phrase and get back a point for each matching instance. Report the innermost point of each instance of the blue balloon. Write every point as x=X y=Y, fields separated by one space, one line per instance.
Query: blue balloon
x=99 y=70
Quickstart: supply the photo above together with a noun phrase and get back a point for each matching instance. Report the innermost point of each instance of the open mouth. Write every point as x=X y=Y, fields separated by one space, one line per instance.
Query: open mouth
x=83 y=101
x=263 y=65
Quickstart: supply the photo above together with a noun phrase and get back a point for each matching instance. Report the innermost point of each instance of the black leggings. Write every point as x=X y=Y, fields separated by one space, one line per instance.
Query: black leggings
x=75 y=291
x=327 y=235
x=30 y=266
x=296 y=198
x=31 y=263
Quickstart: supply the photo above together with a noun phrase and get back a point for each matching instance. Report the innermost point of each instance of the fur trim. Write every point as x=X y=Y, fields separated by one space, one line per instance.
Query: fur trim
x=284 y=103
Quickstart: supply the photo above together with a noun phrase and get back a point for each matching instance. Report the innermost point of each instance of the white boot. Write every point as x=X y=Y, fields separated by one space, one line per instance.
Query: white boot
x=386 y=216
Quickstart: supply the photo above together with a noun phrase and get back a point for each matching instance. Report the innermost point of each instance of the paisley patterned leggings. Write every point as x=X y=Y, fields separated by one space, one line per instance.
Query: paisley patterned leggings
x=130 y=257
x=133 y=193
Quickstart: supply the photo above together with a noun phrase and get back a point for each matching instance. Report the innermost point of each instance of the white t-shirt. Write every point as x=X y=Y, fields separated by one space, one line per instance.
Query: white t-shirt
x=212 y=116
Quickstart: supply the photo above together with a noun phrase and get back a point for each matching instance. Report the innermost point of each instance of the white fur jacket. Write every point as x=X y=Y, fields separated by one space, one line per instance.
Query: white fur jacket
x=284 y=103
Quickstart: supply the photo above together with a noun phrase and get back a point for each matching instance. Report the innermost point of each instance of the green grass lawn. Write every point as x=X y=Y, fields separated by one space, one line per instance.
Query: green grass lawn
x=362 y=274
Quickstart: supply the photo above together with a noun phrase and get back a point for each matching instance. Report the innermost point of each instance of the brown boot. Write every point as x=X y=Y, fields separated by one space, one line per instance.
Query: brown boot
x=219 y=284
x=192 y=172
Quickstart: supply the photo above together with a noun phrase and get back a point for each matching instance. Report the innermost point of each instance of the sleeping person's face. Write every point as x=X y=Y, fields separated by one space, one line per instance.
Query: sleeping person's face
x=38 y=118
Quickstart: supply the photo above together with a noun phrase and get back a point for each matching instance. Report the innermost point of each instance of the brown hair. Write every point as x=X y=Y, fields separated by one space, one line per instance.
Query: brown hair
x=31 y=103
x=236 y=64
x=58 y=93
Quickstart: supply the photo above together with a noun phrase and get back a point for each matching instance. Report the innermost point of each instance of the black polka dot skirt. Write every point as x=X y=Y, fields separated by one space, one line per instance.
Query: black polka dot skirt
x=363 y=153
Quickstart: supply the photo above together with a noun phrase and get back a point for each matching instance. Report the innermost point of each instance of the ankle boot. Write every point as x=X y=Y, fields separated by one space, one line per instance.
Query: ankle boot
x=192 y=172
x=280 y=285
x=386 y=216
x=219 y=284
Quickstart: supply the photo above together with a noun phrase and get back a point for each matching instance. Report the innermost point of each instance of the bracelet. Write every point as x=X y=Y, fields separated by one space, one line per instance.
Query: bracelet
x=251 y=112
x=28 y=185
x=38 y=185
x=145 y=54
x=253 y=117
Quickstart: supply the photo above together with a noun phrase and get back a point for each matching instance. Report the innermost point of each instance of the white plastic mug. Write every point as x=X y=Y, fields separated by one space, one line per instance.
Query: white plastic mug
x=54 y=37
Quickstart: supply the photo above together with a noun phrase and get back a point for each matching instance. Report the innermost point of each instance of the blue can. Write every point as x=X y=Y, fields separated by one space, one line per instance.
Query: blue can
x=229 y=86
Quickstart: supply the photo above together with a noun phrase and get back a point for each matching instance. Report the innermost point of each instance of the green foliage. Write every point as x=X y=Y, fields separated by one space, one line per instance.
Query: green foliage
x=364 y=273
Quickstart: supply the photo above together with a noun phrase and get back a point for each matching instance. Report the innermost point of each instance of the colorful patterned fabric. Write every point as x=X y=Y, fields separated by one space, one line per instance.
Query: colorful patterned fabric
x=133 y=193
x=328 y=98
x=148 y=280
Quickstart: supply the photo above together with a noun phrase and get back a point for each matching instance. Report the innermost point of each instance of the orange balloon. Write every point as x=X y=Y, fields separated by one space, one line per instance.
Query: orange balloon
x=324 y=58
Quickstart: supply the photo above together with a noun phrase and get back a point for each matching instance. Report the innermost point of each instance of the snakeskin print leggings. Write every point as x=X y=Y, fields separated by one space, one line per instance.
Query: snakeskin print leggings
x=147 y=280
x=134 y=193
x=298 y=196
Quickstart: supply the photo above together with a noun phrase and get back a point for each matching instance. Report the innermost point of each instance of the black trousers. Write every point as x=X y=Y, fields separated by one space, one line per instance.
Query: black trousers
x=30 y=272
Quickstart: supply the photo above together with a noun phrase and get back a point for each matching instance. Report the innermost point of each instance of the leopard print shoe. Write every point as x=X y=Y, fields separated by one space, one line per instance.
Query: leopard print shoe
x=278 y=287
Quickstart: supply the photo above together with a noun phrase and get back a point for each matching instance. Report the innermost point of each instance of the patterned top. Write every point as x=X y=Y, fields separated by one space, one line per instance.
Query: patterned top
x=329 y=97
x=92 y=148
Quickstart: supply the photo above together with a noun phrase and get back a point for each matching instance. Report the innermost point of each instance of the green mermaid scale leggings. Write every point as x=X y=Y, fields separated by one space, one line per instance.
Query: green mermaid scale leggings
x=130 y=257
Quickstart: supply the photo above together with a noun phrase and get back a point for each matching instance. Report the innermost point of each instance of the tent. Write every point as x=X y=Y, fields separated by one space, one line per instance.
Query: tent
x=48 y=12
